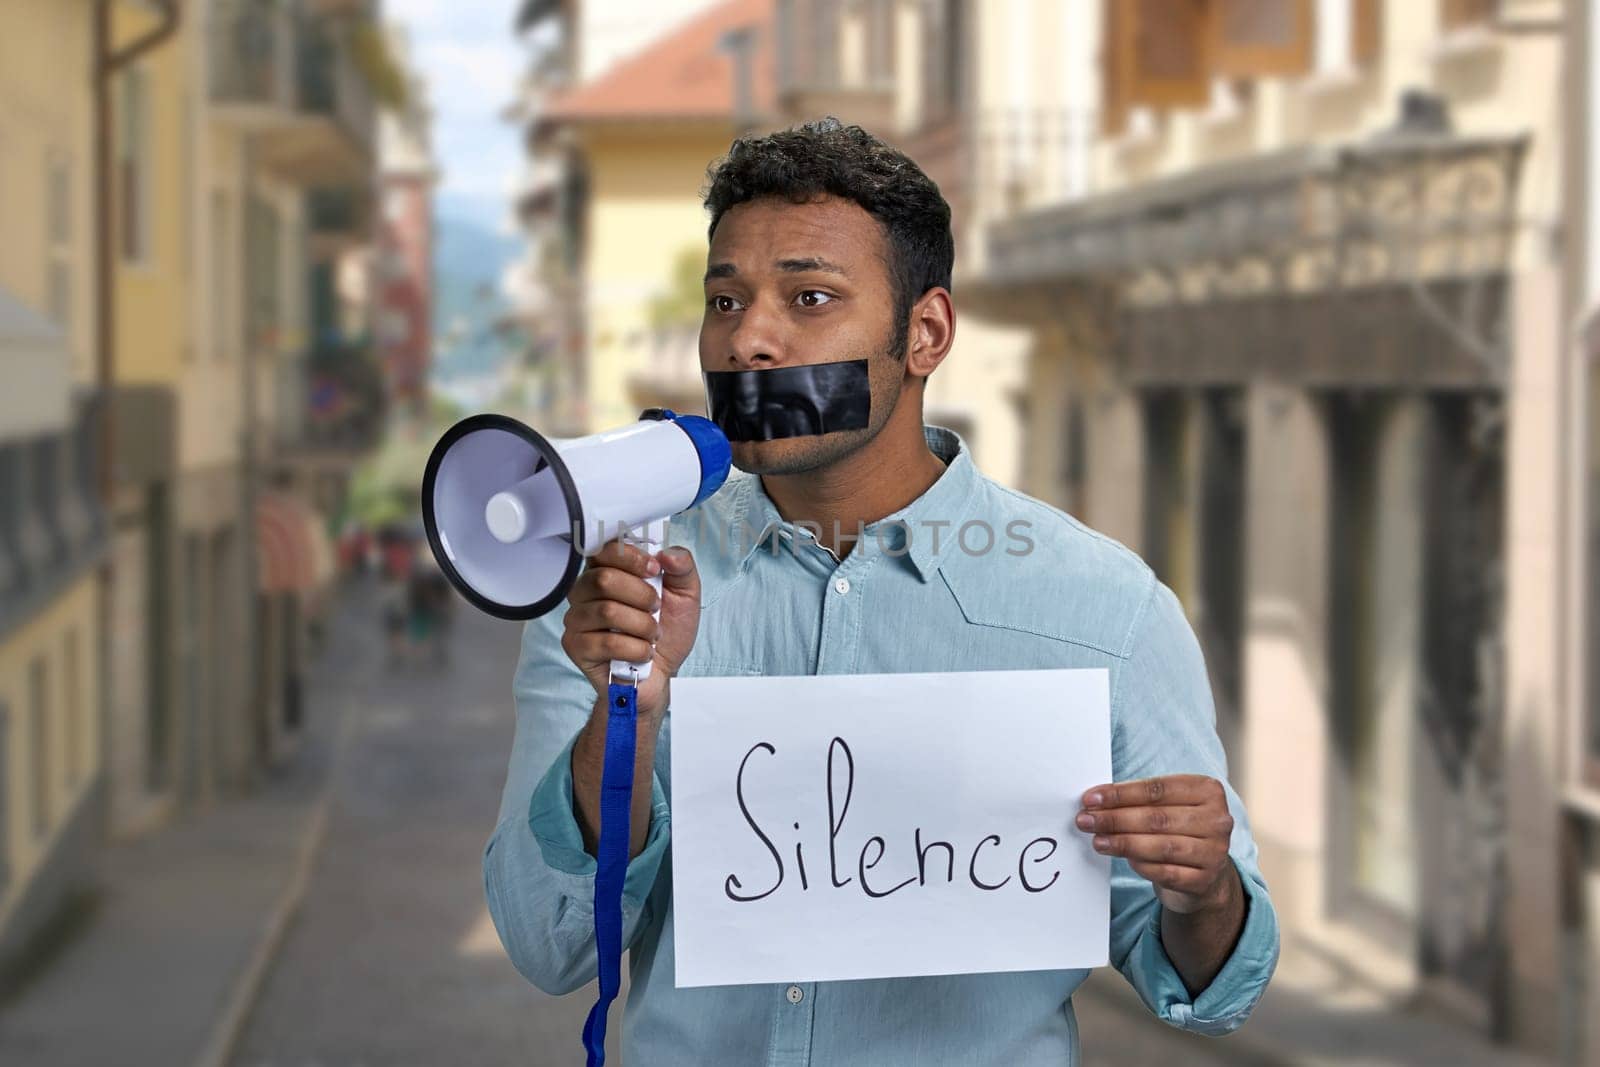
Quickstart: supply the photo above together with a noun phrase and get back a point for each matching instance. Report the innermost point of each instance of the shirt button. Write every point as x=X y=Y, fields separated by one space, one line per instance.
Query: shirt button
x=841 y=586
x=795 y=994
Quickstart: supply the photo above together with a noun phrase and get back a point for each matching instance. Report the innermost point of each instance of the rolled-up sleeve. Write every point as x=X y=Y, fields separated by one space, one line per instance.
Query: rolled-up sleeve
x=538 y=878
x=1163 y=722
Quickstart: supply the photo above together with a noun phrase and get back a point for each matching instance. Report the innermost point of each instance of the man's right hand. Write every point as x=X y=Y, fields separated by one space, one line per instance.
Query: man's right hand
x=608 y=618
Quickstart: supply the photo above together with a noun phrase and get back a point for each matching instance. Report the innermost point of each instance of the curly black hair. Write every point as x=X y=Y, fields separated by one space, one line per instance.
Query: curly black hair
x=827 y=157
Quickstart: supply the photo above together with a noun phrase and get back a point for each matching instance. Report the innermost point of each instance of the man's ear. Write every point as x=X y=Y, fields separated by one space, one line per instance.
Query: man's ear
x=931 y=331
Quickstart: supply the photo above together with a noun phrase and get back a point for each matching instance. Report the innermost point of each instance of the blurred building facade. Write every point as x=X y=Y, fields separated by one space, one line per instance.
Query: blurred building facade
x=192 y=216
x=1290 y=275
x=1278 y=293
x=596 y=79
x=53 y=518
x=1579 y=422
x=403 y=263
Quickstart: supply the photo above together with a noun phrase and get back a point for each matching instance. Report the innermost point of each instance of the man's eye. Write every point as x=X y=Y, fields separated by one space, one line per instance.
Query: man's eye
x=812 y=298
x=723 y=303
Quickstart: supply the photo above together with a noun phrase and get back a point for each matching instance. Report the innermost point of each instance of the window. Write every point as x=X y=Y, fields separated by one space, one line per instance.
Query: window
x=1347 y=34
x=1366 y=30
x=943 y=60
x=5 y=801
x=1167 y=53
x=1459 y=14
x=264 y=273
x=1154 y=53
x=224 y=283
x=1260 y=38
x=880 y=16
x=58 y=245
x=822 y=45
x=39 y=736
x=72 y=666
x=1591 y=491
x=133 y=166
x=808 y=54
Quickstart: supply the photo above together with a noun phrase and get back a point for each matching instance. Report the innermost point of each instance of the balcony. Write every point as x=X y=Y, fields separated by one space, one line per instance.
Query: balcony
x=812 y=77
x=292 y=78
x=250 y=48
x=338 y=218
x=52 y=520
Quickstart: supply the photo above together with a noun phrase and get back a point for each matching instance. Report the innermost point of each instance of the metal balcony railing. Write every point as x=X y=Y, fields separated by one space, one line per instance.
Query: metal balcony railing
x=274 y=55
x=252 y=54
x=329 y=83
x=52 y=517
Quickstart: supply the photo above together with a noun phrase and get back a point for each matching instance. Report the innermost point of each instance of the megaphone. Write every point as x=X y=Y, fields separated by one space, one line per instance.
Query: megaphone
x=510 y=514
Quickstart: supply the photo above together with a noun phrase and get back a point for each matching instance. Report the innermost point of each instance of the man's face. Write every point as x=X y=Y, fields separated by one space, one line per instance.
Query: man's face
x=792 y=284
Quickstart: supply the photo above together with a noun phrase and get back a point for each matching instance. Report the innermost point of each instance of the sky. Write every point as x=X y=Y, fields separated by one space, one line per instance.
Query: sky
x=472 y=61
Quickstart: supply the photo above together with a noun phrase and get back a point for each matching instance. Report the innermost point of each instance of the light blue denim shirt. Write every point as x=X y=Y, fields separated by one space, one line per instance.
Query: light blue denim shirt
x=1022 y=586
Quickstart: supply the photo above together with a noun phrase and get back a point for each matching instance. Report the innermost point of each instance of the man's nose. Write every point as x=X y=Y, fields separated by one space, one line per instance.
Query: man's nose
x=756 y=342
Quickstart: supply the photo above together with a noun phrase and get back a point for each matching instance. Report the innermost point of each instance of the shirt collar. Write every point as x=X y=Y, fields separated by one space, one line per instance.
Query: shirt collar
x=921 y=533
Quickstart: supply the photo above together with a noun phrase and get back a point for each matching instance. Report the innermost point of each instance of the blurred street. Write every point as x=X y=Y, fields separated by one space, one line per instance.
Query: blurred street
x=412 y=805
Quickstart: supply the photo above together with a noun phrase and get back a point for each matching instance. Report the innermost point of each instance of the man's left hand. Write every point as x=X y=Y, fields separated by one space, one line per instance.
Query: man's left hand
x=1174 y=832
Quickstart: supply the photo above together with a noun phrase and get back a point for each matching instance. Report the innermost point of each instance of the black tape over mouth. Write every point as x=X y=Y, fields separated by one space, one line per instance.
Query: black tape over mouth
x=800 y=401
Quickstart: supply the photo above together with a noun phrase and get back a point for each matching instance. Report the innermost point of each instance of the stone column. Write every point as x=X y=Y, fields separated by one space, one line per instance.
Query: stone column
x=1535 y=582
x=1286 y=745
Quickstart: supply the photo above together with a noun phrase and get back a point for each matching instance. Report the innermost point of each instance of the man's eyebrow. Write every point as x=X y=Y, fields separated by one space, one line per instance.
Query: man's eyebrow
x=796 y=266
x=721 y=270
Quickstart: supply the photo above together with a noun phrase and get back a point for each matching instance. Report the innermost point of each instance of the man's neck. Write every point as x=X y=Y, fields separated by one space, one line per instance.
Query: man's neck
x=889 y=473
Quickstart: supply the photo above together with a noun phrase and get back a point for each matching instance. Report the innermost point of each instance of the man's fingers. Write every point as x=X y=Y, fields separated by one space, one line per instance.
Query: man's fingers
x=612 y=583
x=598 y=646
x=678 y=571
x=624 y=557
x=596 y=615
x=1164 y=849
x=1187 y=821
x=1191 y=880
x=1169 y=789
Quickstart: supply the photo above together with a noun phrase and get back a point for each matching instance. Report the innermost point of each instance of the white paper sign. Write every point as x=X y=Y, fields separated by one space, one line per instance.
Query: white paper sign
x=869 y=826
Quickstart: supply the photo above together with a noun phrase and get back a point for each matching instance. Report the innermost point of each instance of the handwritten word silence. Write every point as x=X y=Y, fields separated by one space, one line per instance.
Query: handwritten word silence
x=984 y=862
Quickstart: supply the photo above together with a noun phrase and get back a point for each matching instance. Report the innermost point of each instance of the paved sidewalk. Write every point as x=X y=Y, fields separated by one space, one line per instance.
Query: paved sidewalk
x=1311 y=1016
x=190 y=916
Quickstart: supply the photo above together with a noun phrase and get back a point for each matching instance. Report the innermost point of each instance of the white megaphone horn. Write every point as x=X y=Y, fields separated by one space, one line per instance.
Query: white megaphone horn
x=510 y=514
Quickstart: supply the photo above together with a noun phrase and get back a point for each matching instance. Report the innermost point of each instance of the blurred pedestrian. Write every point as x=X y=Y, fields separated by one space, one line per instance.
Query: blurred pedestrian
x=422 y=612
x=395 y=555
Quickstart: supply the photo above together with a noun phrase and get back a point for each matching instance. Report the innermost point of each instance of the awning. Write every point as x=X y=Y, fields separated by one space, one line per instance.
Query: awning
x=292 y=554
x=1317 y=215
x=1381 y=262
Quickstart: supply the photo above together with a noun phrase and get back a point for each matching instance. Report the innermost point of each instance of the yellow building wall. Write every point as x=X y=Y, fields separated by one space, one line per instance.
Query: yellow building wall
x=153 y=320
x=644 y=210
x=72 y=726
x=46 y=115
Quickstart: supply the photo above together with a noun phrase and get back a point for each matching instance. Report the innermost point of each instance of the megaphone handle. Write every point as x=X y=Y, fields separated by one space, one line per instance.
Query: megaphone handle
x=652 y=538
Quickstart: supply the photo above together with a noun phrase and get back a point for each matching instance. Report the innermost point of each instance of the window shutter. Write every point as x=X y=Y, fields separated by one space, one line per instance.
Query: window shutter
x=880 y=42
x=1366 y=31
x=1262 y=38
x=1456 y=14
x=1163 y=52
x=1113 y=72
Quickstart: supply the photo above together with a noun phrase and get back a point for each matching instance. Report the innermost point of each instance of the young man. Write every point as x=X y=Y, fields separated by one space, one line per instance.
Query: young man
x=828 y=247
